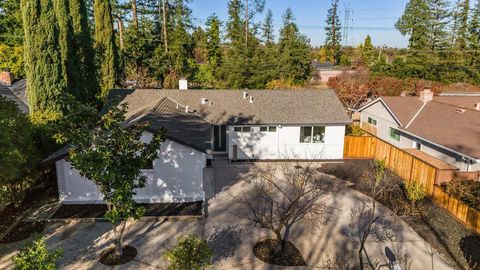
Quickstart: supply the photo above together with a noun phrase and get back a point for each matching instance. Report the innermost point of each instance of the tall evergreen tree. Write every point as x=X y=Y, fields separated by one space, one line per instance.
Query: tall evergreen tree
x=367 y=51
x=214 y=50
x=333 y=32
x=416 y=22
x=105 y=45
x=461 y=22
x=85 y=79
x=181 y=43
x=10 y=22
x=440 y=19
x=294 y=50
x=269 y=66
x=65 y=39
x=474 y=31
x=268 y=28
x=45 y=77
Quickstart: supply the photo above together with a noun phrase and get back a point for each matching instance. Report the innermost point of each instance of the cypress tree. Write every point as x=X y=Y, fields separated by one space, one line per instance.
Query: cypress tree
x=45 y=77
x=474 y=41
x=105 y=45
x=440 y=18
x=416 y=22
x=65 y=37
x=367 y=50
x=85 y=79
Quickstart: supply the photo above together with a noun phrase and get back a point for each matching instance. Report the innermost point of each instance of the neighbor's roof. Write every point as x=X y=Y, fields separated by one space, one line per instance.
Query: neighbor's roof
x=17 y=94
x=450 y=121
x=228 y=106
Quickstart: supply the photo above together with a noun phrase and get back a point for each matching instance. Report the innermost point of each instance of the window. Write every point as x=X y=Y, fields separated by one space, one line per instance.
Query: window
x=209 y=163
x=312 y=134
x=242 y=129
x=268 y=129
x=394 y=134
x=372 y=121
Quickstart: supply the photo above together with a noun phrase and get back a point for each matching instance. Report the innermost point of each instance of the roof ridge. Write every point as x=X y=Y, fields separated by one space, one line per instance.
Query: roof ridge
x=452 y=105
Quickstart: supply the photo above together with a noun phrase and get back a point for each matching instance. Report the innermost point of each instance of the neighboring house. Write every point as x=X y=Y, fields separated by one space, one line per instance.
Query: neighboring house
x=205 y=124
x=14 y=91
x=444 y=127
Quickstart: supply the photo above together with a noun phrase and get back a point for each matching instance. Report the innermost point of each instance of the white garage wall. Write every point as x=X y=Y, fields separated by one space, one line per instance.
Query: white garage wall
x=177 y=177
x=285 y=144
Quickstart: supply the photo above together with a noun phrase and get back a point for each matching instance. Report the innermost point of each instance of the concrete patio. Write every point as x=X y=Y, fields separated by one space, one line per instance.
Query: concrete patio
x=231 y=236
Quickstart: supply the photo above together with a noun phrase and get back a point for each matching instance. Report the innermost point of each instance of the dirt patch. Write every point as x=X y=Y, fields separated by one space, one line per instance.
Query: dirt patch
x=457 y=244
x=109 y=258
x=152 y=210
x=22 y=231
x=265 y=251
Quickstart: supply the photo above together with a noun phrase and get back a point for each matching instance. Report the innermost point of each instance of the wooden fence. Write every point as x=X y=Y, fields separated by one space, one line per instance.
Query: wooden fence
x=464 y=213
x=402 y=163
x=411 y=168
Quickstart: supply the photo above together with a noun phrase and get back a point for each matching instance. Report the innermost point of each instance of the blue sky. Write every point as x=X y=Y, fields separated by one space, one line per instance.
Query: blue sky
x=374 y=17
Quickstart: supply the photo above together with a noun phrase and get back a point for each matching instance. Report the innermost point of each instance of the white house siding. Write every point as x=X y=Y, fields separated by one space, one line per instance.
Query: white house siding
x=285 y=144
x=177 y=176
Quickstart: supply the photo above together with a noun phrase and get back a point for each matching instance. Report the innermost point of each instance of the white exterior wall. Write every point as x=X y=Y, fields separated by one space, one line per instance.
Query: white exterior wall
x=285 y=144
x=177 y=176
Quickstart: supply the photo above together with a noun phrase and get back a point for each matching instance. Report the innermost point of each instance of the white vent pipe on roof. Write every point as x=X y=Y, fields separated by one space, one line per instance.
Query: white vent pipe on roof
x=187 y=109
x=245 y=95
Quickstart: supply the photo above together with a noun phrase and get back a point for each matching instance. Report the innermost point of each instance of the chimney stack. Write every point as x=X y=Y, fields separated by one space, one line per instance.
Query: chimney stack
x=426 y=96
x=6 y=78
x=183 y=84
x=477 y=106
x=245 y=95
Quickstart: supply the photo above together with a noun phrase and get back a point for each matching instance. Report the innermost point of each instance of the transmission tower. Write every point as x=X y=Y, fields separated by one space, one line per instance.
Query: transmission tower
x=346 y=22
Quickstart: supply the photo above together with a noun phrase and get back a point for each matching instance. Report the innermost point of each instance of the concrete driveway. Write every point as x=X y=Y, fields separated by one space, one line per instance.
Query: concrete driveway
x=231 y=236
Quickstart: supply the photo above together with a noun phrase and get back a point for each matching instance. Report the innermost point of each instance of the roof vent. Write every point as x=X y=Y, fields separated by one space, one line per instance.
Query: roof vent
x=477 y=106
x=458 y=110
x=245 y=95
x=187 y=109
x=183 y=84
x=204 y=101
x=426 y=95
x=251 y=99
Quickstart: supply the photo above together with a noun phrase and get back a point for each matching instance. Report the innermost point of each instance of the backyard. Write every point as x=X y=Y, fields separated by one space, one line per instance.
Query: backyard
x=232 y=237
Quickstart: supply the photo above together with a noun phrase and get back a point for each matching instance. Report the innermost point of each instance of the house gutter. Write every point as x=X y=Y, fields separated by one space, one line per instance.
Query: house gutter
x=441 y=146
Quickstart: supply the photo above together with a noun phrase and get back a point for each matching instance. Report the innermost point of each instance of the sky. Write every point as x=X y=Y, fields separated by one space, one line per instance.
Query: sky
x=374 y=17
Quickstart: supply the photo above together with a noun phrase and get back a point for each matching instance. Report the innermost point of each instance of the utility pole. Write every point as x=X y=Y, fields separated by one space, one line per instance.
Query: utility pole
x=164 y=15
x=246 y=23
x=334 y=30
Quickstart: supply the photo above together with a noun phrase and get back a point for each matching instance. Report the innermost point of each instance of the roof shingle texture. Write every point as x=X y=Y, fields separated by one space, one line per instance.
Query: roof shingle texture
x=229 y=107
x=440 y=121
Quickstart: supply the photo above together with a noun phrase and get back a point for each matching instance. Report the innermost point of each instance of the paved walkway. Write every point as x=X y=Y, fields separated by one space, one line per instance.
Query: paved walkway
x=231 y=236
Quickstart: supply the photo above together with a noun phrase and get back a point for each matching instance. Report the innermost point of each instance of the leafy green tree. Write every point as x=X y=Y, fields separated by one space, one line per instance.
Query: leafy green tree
x=333 y=32
x=111 y=155
x=214 y=50
x=36 y=256
x=416 y=23
x=11 y=59
x=415 y=192
x=20 y=157
x=294 y=51
x=190 y=253
x=105 y=45
x=43 y=63
x=367 y=51
x=11 y=31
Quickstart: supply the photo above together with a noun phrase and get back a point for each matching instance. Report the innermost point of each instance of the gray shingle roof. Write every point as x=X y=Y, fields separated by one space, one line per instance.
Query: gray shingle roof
x=228 y=106
x=10 y=95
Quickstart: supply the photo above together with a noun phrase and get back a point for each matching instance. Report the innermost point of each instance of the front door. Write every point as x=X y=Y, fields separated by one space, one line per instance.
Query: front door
x=220 y=135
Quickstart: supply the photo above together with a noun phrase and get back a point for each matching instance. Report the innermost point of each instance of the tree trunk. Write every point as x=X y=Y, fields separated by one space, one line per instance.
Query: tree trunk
x=360 y=258
x=286 y=234
x=164 y=19
x=119 y=237
x=278 y=248
x=134 y=14
x=121 y=32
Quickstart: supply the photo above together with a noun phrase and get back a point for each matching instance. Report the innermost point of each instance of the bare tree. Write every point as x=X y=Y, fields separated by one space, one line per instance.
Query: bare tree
x=286 y=194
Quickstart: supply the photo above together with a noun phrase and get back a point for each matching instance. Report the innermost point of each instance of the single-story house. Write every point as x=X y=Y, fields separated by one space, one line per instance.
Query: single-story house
x=205 y=124
x=444 y=127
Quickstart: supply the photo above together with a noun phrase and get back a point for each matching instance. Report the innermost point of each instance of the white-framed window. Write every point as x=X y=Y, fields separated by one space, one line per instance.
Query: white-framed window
x=395 y=134
x=242 y=129
x=372 y=121
x=268 y=129
x=314 y=134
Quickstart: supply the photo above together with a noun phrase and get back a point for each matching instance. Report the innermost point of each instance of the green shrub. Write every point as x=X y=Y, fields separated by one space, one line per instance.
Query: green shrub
x=415 y=191
x=466 y=190
x=190 y=253
x=355 y=130
x=36 y=256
